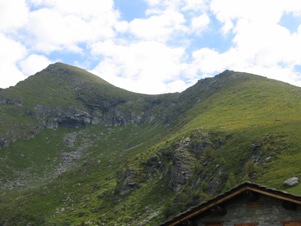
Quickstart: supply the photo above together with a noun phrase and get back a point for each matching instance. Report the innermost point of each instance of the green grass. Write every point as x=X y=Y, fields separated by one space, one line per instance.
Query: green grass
x=94 y=174
x=228 y=115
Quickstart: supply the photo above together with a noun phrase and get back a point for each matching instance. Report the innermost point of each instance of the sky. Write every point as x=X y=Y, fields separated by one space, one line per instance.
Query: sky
x=151 y=46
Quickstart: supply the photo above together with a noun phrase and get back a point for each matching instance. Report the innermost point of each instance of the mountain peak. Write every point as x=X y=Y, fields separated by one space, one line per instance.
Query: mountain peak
x=58 y=68
x=227 y=72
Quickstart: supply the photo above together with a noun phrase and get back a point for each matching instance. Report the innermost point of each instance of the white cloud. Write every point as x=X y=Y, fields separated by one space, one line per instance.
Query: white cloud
x=196 y=5
x=144 y=66
x=154 y=2
x=181 y=5
x=13 y=14
x=177 y=85
x=53 y=32
x=158 y=27
x=11 y=52
x=200 y=23
x=178 y=5
x=154 y=53
x=85 y=9
x=34 y=63
x=9 y=75
x=64 y=24
x=234 y=11
x=260 y=44
x=207 y=62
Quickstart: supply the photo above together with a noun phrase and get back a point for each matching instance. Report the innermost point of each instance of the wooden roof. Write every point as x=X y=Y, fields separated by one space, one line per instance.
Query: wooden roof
x=239 y=189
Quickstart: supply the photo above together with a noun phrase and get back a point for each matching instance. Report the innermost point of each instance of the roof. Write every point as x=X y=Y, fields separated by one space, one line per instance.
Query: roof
x=239 y=189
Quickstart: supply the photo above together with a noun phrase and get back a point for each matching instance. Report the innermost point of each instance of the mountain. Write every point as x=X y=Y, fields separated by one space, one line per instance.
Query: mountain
x=76 y=150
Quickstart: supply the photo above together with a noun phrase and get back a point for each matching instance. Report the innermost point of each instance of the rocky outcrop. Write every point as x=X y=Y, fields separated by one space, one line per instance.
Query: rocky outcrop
x=4 y=100
x=291 y=182
x=118 y=117
x=67 y=118
x=3 y=142
x=183 y=165
x=78 y=144
x=129 y=180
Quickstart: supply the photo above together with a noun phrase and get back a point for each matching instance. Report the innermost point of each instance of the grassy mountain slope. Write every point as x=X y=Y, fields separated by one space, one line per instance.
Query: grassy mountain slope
x=76 y=150
x=262 y=111
x=57 y=85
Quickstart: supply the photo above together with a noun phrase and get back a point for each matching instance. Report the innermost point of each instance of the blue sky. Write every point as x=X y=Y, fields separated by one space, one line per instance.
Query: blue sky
x=151 y=46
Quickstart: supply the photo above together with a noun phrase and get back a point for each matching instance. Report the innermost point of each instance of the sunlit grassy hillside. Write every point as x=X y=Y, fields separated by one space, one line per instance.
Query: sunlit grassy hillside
x=76 y=150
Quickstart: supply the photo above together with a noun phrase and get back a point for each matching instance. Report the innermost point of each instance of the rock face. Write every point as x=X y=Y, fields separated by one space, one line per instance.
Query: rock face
x=55 y=118
x=179 y=163
x=183 y=165
x=291 y=182
x=129 y=181
x=3 y=142
x=4 y=100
